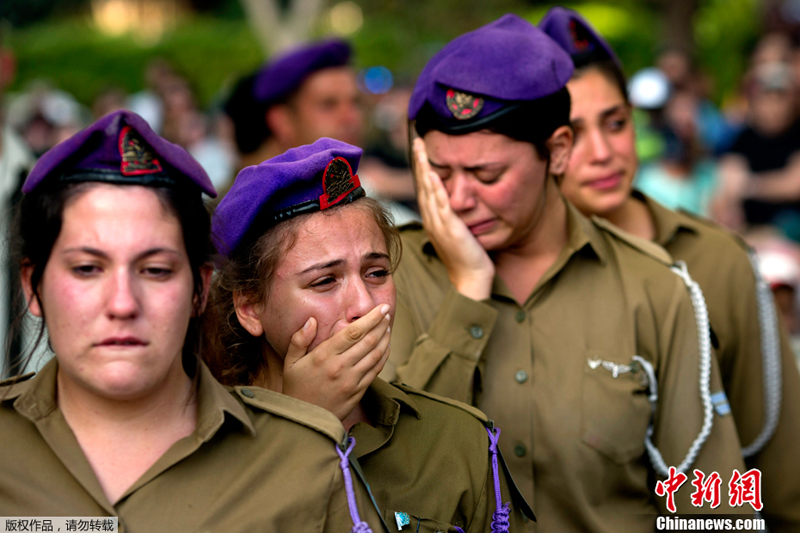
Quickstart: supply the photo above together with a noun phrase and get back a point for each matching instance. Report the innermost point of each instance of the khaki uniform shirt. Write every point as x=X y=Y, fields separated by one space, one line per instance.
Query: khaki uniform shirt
x=257 y=461
x=429 y=457
x=718 y=262
x=573 y=433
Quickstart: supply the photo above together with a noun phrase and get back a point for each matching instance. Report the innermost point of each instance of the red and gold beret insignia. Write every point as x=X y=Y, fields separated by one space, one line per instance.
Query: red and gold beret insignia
x=463 y=106
x=137 y=158
x=580 y=38
x=337 y=182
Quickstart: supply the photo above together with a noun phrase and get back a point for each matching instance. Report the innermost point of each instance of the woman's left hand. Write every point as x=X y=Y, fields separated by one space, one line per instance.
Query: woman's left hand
x=336 y=373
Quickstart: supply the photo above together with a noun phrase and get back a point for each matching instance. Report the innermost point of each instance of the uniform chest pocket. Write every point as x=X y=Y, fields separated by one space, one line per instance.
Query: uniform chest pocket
x=615 y=409
x=407 y=523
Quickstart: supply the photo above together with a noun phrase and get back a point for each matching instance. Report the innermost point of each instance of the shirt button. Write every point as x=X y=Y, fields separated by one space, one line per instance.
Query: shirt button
x=476 y=332
x=521 y=376
x=520 y=450
x=248 y=393
x=520 y=316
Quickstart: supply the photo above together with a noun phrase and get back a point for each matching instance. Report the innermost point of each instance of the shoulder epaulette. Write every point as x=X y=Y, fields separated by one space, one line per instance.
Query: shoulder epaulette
x=643 y=245
x=735 y=237
x=474 y=411
x=303 y=413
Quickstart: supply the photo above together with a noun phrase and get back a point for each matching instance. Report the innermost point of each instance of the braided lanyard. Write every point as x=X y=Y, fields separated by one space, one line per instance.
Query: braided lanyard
x=500 y=520
x=770 y=361
x=358 y=525
x=701 y=317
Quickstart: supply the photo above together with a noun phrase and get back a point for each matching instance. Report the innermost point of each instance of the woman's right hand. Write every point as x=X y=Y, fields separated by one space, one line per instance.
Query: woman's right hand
x=336 y=373
x=469 y=267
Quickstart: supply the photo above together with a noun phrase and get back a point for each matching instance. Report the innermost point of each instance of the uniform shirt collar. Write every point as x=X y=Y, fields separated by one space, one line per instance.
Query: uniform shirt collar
x=213 y=402
x=36 y=398
x=389 y=401
x=667 y=222
x=385 y=405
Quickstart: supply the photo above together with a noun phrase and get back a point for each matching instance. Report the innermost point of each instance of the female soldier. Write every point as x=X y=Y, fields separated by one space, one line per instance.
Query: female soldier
x=756 y=362
x=124 y=420
x=309 y=268
x=557 y=325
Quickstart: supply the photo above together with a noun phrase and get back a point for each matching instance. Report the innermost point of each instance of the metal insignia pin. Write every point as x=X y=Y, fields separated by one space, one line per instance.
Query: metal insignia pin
x=402 y=519
x=338 y=180
x=463 y=106
x=615 y=368
x=137 y=158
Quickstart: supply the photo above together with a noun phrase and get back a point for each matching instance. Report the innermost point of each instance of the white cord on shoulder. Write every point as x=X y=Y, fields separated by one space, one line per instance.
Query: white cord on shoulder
x=770 y=361
x=701 y=317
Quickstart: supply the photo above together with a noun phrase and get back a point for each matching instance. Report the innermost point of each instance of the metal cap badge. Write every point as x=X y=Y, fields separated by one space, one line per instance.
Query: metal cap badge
x=463 y=105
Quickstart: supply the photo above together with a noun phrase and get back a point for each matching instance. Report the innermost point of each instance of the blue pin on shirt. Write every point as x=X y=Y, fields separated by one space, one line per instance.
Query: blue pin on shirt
x=402 y=519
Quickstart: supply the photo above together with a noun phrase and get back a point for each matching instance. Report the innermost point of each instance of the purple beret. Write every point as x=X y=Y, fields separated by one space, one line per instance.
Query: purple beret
x=481 y=72
x=301 y=180
x=284 y=74
x=576 y=36
x=119 y=148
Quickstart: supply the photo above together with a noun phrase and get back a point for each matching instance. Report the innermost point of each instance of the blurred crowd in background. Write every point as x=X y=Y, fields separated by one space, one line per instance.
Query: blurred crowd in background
x=736 y=162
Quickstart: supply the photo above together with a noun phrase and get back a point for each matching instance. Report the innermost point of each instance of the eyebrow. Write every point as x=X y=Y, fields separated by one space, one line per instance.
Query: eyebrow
x=323 y=266
x=603 y=114
x=376 y=255
x=338 y=262
x=475 y=168
x=101 y=254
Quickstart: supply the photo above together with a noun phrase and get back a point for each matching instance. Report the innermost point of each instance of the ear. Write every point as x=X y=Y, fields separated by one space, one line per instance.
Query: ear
x=280 y=121
x=560 y=146
x=206 y=272
x=248 y=314
x=34 y=305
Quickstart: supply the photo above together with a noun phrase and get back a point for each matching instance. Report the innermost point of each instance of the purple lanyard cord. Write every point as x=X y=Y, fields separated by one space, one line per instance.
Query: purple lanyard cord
x=358 y=525
x=500 y=520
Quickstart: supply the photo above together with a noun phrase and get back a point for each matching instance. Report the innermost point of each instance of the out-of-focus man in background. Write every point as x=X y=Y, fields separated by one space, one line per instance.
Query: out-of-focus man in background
x=300 y=96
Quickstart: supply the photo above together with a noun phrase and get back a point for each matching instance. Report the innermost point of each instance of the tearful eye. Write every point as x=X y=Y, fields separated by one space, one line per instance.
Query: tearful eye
x=323 y=281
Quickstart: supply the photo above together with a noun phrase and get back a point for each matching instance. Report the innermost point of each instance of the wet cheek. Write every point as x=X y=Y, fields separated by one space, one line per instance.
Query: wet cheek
x=320 y=310
x=386 y=294
x=504 y=202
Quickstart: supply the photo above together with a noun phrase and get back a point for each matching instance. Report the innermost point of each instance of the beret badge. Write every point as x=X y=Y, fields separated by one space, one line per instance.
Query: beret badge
x=137 y=158
x=580 y=37
x=463 y=105
x=337 y=182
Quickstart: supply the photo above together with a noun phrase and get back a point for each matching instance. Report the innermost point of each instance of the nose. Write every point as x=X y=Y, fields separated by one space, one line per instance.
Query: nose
x=123 y=302
x=351 y=116
x=600 y=147
x=461 y=193
x=359 y=300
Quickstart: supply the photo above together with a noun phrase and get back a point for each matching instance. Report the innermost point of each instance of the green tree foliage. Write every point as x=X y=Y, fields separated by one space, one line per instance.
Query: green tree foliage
x=399 y=34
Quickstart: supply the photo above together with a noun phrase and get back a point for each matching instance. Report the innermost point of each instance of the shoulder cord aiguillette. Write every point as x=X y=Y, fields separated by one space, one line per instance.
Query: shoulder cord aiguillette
x=703 y=332
x=770 y=361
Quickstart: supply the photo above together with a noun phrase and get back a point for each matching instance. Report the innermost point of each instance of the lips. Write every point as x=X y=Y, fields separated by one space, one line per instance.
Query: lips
x=122 y=342
x=610 y=181
x=481 y=227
